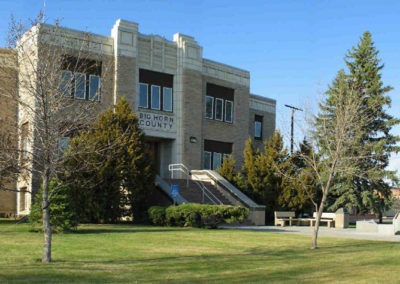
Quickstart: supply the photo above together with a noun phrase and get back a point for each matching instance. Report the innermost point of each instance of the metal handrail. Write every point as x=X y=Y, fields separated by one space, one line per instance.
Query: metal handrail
x=180 y=168
x=205 y=191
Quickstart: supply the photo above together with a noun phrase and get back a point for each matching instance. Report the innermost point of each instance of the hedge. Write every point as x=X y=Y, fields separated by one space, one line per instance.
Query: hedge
x=197 y=215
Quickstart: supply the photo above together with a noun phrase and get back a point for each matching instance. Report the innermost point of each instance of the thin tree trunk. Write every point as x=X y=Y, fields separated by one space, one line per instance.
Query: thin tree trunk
x=46 y=257
x=317 y=222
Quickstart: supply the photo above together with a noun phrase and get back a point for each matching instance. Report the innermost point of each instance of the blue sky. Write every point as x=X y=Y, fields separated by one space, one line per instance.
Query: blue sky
x=293 y=49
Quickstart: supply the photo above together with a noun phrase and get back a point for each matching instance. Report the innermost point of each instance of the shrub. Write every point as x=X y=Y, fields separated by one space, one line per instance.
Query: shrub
x=157 y=215
x=62 y=213
x=200 y=215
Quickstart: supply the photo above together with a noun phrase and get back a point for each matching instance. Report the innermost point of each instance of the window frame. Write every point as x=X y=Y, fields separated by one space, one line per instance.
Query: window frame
x=222 y=109
x=214 y=154
x=164 y=100
x=97 y=94
x=258 y=120
x=68 y=85
x=152 y=99
x=212 y=107
x=147 y=95
x=76 y=87
x=231 y=112
x=204 y=160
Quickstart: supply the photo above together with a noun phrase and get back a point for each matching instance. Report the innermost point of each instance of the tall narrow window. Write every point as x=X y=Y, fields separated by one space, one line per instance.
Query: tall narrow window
x=94 y=88
x=258 y=125
x=155 y=90
x=209 y=107
x=155 y=97
x=219 y=109
x=217 y=160
x=228 y=111
x=80 y=78
x=22 y=199
x=167 y=99
x=143 y=95
x=62 y=145
x=25 y=140
x=80 y=86
x=207 y=160
x=66 y=83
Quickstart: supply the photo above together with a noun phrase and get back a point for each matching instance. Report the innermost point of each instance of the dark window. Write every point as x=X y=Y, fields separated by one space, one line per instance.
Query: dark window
x=258 y=126
x=209 y=106
x=155 y=90
x=80 y=78
x=214 y=153
x=143 y=95
x=25 y=141
x=219 y=103
x=228 y=111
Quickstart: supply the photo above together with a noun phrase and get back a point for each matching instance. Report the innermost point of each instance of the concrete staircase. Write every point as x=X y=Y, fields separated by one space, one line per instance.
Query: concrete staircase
x=193 y=193
x=207 y=187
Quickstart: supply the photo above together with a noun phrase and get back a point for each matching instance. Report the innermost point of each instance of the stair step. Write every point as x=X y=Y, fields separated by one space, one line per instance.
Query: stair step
x=193 y=193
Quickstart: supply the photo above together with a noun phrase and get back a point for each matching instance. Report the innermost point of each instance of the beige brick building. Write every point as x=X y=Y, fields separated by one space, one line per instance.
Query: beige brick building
x=8 y=128
x=194 y=111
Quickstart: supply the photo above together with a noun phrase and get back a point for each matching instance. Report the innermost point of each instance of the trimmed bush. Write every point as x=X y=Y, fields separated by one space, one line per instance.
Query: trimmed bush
x=201 y=215
x=157 y=215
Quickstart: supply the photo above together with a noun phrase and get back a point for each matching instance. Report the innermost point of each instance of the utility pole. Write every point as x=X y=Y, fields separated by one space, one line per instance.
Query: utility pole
x=291 y=126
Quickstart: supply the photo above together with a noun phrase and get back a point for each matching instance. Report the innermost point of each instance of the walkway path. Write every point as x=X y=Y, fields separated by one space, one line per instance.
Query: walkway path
x=323 y=232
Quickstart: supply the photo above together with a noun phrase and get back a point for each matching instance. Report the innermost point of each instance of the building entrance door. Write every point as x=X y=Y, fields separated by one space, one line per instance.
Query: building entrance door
x=153 y=148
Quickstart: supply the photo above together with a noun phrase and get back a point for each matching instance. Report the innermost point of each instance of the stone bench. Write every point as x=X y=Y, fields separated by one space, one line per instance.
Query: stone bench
x=328 y=218
x=283 y=217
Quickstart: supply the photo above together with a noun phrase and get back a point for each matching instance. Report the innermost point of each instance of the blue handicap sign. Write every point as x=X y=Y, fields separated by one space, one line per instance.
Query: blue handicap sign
x=174 y=190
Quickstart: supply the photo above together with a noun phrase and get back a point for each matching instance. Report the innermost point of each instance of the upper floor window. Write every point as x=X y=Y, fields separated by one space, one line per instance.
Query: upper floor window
x=258 y=126
x=167 y=99
x=24 y=141
x=80 y=78
x=155 y=90
x=155 y=97
x=94 y=87
x=209 y=107
x=80 y=86
x=143 y=95
x=219 y=103
x=228 y=111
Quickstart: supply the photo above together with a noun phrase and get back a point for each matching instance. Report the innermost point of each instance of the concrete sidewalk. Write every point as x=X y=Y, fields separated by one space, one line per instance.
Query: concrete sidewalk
x=323 y=232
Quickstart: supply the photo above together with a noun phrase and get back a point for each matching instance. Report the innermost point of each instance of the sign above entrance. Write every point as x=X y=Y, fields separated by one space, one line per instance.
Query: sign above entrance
x=156 y=122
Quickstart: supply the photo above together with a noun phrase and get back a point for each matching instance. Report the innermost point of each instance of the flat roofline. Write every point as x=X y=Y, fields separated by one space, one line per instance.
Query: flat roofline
x=226 y=65
x=262 y=98
x=76 y=31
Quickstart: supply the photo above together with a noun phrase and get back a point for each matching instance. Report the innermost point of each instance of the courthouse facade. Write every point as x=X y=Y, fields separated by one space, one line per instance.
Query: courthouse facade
x=193 y=111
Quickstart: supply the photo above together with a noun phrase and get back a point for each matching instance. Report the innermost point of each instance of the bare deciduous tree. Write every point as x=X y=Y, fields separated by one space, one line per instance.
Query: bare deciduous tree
x=337 y=128
x=58 y=92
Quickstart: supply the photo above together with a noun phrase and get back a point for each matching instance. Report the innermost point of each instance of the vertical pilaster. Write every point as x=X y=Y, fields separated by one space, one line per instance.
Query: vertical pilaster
x=188 y=101
x=125 y=35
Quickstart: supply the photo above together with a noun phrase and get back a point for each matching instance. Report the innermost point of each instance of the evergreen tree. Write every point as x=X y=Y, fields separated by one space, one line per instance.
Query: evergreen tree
x=262 y=176
x=63 y=216
x=299 y=192
x=361 y=192
x=116 y=175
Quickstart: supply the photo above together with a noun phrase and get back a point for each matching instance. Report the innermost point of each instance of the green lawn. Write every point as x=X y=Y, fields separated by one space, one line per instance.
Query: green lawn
x=124 y=253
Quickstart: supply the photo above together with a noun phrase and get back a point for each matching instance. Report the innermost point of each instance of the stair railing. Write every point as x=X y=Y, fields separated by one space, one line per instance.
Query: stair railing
x=179 y=168
x=204 y=190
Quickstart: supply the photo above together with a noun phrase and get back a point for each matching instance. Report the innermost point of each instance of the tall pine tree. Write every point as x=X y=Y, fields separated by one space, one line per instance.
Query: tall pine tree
x=116 y=174
x=369 y=192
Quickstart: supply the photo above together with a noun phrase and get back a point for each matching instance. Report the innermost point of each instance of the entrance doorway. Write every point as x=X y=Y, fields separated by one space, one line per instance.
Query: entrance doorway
x=153 y=148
